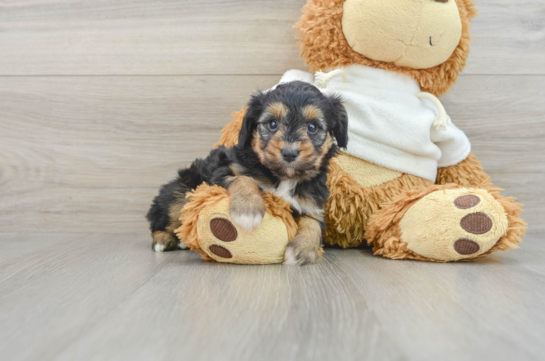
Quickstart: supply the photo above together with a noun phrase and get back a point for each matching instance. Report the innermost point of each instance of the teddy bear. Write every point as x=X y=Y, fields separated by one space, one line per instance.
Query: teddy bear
x=407 y=184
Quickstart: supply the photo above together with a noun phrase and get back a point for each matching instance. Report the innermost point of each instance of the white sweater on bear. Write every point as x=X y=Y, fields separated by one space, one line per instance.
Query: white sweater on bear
x=388 y=125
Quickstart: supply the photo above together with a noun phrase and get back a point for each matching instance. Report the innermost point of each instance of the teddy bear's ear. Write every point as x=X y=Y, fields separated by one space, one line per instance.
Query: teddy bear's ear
x=340 y=121
x=249 y=123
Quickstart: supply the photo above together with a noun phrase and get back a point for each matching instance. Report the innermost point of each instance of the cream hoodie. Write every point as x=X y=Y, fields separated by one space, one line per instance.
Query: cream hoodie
x=388 y=125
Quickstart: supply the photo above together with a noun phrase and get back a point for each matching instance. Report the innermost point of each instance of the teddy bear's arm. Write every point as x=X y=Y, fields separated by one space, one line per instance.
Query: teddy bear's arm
x=467 y=173
x=229 y=133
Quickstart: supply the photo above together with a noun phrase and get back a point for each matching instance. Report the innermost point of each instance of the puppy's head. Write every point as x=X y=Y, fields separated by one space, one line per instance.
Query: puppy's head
x=292 y=129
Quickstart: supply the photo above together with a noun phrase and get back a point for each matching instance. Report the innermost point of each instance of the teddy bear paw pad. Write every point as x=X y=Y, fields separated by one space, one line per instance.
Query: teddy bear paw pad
x=476 y=223
x=220 y=251
x=223 y=229
x=466 y=246
x=467 y=201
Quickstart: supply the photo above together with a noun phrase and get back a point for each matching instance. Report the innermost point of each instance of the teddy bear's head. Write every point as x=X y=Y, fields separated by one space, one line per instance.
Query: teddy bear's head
x=425 y=39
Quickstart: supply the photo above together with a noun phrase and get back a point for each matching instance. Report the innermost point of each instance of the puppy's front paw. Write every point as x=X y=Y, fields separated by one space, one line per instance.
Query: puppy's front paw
x=301 y=252
x=247 y=212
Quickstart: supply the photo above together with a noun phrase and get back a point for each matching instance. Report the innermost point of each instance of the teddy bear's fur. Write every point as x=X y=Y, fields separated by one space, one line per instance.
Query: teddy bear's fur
x=369 y=202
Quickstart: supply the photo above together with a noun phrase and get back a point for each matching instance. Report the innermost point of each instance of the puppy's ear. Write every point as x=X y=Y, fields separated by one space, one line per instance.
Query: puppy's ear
x=340 y=121
x=249 y=123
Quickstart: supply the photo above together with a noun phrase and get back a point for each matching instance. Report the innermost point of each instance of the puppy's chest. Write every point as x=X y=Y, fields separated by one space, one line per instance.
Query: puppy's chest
x=286 y=190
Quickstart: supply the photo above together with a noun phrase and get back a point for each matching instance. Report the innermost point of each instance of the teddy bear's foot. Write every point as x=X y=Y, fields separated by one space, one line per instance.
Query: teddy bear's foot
x=446 y=223
x=208 y=228
x=453 y=224
x=224 y=241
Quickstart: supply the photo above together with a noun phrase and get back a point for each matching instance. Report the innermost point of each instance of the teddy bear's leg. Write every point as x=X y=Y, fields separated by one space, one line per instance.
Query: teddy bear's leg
x=358 y=189
x=445 y=223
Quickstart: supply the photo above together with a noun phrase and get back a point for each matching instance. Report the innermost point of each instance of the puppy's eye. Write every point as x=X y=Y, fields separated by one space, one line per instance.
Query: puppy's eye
x=273 y=125
x=312 y=128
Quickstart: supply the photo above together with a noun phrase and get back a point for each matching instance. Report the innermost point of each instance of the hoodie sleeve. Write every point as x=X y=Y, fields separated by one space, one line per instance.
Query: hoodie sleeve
x=453 y=143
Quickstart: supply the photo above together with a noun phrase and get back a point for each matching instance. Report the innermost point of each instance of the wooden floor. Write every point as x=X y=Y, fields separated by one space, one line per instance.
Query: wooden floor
x=102 y=101
x=109 y=297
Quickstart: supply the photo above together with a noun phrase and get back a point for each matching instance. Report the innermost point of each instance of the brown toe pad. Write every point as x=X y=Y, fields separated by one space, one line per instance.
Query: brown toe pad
x=476 y=223
x=223 y=229
x=466 y=246
x=220 y=251
x=467 y=201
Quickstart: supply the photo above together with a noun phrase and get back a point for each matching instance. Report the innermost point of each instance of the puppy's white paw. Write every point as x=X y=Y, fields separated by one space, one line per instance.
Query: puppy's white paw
x=182 y=245
x=247 y=221
x=159 y=247
x=298 y=254
x=289 y=257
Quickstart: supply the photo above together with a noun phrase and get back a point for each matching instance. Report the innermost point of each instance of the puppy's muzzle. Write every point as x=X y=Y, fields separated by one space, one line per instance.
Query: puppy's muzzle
x=289 y=154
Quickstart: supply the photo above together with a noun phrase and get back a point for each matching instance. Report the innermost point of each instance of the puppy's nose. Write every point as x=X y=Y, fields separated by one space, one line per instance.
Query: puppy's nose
x=289 y=154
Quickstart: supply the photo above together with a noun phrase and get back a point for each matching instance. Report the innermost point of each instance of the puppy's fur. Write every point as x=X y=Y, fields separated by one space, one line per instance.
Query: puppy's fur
x=284 y=146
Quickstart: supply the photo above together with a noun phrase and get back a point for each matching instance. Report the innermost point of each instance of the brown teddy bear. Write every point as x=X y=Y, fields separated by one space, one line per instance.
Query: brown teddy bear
x=408 y=183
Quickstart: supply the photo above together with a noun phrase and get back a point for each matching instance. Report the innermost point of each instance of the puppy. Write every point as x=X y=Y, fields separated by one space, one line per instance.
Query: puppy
x=285 y=144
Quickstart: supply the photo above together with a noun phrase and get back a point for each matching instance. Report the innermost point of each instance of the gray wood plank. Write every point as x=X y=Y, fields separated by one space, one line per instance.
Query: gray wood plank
x=75 y=37
x=49 y=296
x=489 y=309
x=109 y=297
x=17 y=245
x=87 y=154
x=149 y=37
x=508 y=38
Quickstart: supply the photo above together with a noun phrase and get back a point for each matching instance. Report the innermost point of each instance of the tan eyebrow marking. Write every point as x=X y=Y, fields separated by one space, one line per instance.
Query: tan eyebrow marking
x=278 y=109
x=312 y=112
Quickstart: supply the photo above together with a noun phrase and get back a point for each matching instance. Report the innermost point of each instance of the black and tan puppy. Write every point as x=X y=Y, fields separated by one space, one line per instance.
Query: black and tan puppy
x=285 y=145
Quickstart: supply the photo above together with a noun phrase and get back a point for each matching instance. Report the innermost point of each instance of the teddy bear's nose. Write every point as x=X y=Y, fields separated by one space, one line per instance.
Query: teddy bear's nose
x=441 y=1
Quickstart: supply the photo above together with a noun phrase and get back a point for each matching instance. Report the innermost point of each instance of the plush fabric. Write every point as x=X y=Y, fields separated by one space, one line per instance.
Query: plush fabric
x=409 y=28
x=229 y=133
x=389 y=126
x=386 y=234
x=264 y=245
x=350 y=205
x=364 y=173
x=433 y=224
x=467 y=173
x=324 y=46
